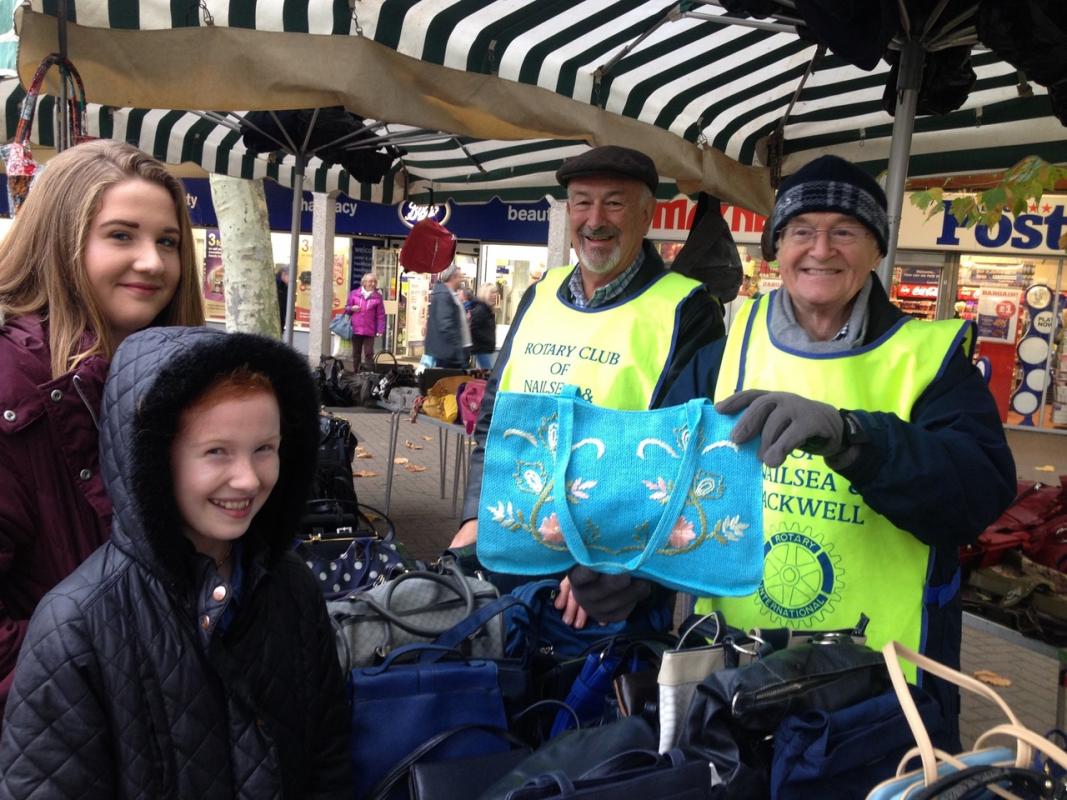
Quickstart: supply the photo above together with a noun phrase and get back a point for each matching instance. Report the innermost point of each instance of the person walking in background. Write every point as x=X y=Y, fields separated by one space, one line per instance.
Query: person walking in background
x=102 y=248
x=281 y=285
x=367 y=308
x=448 y=336
x=482 y=324
x=190 y=656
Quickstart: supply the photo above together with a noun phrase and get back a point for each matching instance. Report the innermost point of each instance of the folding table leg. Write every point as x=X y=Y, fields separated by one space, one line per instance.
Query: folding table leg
x=394 y=431
x=442 y=452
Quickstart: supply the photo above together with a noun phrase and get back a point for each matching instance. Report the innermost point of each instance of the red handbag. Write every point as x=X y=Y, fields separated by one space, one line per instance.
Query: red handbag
x=430 y=247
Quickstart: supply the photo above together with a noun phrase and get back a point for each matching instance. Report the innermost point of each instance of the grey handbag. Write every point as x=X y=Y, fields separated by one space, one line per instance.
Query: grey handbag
x=416 y=606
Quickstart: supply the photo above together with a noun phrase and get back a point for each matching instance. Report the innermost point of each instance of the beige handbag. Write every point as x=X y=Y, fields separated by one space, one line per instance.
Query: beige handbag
x=937 y=764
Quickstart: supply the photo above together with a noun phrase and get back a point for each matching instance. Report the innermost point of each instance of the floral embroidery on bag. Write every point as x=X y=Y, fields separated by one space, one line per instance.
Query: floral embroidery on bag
x=691 y=530
x=550 y=531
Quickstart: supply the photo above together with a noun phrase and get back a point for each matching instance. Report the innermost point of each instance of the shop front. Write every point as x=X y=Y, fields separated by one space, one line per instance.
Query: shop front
x=1010 y=279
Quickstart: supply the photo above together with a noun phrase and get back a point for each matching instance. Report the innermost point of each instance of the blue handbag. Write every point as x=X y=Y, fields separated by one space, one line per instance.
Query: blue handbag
x=637 y=773
x=398 y=708
x=535 y=623
x=663 y=493
x=839 y=755
x=342 y=326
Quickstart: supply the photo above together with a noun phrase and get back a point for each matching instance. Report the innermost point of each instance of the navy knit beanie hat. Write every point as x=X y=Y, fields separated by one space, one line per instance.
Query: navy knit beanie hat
x=830 y=183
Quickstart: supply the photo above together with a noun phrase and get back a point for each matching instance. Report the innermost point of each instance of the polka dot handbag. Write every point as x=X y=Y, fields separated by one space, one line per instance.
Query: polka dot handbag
x=346 y=560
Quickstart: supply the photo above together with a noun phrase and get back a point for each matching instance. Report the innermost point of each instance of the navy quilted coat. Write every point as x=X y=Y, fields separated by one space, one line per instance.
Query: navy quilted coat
x=127 y=685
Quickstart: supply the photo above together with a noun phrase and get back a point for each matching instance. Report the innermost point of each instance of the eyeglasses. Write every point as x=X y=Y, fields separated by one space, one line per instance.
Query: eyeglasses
x=840 y=235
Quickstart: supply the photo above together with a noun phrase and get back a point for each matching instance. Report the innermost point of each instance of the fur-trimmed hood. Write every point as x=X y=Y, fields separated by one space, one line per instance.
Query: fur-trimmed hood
x=154 y=375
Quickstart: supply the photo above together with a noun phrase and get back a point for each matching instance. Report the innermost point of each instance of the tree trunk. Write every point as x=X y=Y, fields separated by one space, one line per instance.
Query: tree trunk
x=247 y=256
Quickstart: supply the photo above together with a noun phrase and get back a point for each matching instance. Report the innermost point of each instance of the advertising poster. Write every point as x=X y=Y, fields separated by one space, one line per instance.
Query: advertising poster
x=214 y=300
x=340 y=279
x=998 y=314
x=418 y=295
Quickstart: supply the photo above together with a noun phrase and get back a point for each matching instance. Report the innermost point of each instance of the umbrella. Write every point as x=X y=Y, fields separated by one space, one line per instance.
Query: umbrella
x=332 y=134
x=722 y=101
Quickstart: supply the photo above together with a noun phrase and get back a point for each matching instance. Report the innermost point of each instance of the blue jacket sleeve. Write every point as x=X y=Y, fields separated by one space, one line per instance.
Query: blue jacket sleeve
x=946 y=474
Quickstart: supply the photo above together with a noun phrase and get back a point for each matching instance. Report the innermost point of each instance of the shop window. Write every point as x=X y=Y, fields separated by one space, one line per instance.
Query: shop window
x=1019 y=307
x=513 y=268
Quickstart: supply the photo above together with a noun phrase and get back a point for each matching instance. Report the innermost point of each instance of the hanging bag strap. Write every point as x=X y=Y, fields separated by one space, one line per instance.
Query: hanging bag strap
x=565 y=403
x=75 y=92
x=893 y=652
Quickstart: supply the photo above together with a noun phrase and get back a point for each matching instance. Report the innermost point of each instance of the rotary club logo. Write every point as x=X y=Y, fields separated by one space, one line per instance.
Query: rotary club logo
x=801 y=577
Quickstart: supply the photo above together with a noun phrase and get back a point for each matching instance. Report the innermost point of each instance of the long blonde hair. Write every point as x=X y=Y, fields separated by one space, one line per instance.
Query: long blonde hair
x=42 y=266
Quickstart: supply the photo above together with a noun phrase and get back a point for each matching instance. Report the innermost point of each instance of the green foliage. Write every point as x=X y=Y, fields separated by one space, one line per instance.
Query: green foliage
x=1020 y=186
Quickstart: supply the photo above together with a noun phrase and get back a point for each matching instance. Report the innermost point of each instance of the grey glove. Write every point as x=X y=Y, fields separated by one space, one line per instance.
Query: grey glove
x=607 y=598
x=785 y=422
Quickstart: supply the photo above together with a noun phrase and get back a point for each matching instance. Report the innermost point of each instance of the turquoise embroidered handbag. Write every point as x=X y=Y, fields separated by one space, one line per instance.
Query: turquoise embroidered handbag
x=664 y=493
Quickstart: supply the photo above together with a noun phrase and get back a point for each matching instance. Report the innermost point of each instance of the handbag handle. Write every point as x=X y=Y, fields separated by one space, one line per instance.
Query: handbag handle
x=384 y=787
x=968 y=782
x=429 y=653
x=893 y=652
x=454 y=581
x=634 y=759
x=1035 y=740
x=470 y=625
x=941 y=755
x=76 y=94
x=386 y=353
x=565 y=403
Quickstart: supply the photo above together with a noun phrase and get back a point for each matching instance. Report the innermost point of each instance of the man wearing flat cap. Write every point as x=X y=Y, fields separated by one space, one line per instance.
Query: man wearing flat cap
x=618 y=325
x=882 y=446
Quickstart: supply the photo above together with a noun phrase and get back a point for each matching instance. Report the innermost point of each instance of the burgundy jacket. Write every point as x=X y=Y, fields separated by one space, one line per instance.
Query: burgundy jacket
x=53 y=508
x=368 y=314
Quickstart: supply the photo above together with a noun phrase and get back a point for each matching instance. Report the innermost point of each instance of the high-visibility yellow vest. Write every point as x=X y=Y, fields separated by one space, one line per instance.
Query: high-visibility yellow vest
x=615 y=354
x=828 y=555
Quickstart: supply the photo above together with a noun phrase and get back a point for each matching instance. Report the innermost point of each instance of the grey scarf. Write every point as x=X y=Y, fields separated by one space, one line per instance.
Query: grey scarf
x=788 y=332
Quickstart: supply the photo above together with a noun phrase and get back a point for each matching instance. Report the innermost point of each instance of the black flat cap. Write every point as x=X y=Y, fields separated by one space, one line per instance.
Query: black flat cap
x=610 y=160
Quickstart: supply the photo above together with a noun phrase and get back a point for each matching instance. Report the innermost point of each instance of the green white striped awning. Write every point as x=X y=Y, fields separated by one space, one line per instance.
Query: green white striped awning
x=521 y=84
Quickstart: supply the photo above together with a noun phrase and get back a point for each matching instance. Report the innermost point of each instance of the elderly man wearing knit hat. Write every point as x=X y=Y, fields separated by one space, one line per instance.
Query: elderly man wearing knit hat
x=649 y=324
x=883 y=448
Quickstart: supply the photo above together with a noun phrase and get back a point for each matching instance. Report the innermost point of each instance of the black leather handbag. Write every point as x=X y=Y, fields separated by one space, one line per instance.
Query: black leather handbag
x=734 y=713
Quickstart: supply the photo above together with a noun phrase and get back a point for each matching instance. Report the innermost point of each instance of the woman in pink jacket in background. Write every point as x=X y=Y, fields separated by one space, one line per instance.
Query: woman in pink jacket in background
x=367 y=308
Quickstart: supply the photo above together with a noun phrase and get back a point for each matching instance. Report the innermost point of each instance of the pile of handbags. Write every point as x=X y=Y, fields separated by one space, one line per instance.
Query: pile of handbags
x=347 y=545
x=1016 y=572
x=456 y=398
x=386 y=381
x=460 y=690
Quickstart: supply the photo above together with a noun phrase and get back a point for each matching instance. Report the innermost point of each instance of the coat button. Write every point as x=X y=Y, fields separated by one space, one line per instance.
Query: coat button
x=219 y=594
x=205 y=622
x=56 y=395
x=85 y=474
x=10 y=415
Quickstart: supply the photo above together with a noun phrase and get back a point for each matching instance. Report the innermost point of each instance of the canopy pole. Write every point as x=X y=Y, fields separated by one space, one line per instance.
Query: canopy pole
x=294 y=244
x=909 y=78
x=63 y=121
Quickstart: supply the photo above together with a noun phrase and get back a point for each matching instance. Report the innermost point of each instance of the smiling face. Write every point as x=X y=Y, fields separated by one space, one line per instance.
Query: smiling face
x=132 y=255
x=821 y=277
x=225 y=463
x=608 y=218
